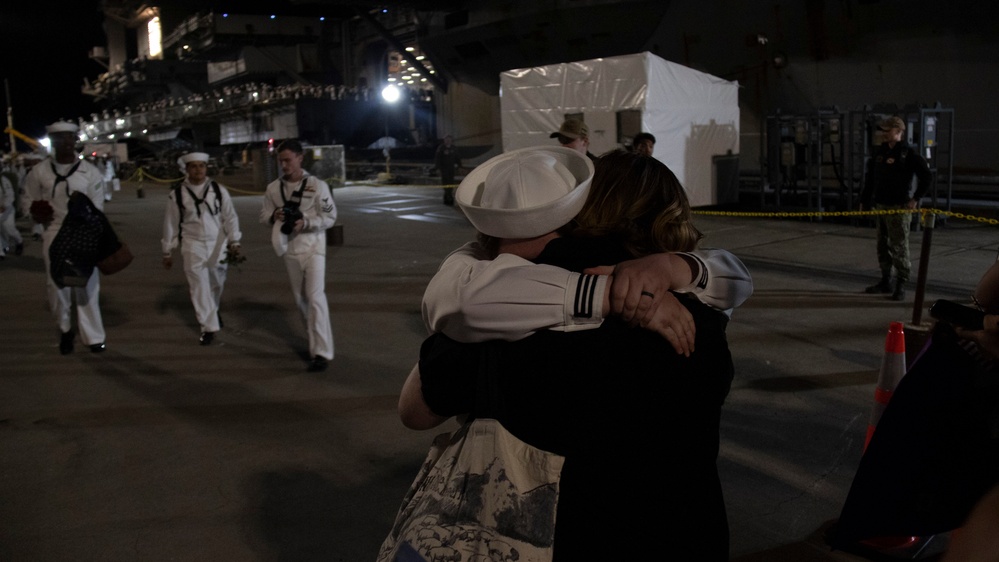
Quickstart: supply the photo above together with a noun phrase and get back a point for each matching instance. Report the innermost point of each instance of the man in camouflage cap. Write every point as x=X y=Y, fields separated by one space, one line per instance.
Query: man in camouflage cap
x=574 y=134
x=888 y=187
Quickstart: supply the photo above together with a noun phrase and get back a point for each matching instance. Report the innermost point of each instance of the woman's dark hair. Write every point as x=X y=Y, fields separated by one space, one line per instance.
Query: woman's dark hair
x=639 y=200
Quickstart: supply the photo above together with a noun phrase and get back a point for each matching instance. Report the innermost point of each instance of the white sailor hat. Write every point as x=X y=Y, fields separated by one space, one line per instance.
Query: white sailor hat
x=191 y=157
x=526 y=192
x=62 y=127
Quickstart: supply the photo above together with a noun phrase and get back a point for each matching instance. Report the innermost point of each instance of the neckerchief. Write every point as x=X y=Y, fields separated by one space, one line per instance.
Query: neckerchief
x=198 y=202
x=60 y=178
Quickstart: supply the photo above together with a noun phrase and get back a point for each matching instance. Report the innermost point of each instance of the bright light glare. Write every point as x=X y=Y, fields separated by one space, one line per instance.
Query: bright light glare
x=390 y=93
x=154 y=34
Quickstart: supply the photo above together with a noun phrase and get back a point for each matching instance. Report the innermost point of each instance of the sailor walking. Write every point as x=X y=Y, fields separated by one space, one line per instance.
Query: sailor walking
x=201 y=219
x=47 y=188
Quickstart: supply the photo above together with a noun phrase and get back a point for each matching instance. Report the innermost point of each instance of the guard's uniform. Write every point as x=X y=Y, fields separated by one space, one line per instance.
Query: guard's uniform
x=207 y=226
x=305 y=253
x=446 y=160
x=888 y=185
x=53 y=182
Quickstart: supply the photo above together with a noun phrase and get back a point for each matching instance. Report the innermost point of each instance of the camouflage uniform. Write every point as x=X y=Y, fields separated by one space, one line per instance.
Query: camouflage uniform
x=893 y=241
x=888 y=184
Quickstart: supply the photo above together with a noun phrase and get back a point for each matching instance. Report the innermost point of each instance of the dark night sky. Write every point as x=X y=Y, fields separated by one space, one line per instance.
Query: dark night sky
x=44 y=52
x=45 y=46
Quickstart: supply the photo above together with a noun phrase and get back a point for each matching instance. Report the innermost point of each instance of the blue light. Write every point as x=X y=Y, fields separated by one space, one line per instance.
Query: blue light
x=273 y=16
x=225 y=15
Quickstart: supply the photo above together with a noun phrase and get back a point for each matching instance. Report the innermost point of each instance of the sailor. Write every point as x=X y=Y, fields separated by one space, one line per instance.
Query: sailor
x=25 y=163
x=201 y=219
x=300 y=208
x=48 y=185
x=10 y=238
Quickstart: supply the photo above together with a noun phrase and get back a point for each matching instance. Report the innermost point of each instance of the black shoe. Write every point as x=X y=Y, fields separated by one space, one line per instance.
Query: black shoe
x=207 y=338
x=883 y=286
x=98 y=348
x=19 y=249
x=66 y=342
x=318 y=364
x=899 y=293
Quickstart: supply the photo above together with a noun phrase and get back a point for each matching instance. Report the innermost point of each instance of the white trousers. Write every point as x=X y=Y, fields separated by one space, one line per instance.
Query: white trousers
x=205 y=280
x=88 y=310
x=307 y=273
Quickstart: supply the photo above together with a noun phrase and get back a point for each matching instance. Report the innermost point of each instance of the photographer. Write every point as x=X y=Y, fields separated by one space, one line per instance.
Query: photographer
x=300 y=207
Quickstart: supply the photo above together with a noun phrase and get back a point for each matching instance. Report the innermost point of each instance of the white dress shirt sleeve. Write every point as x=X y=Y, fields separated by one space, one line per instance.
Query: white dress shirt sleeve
x=472 y=299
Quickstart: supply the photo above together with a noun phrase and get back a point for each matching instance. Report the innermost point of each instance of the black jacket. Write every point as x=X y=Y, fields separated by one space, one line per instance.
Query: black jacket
x=888 y=180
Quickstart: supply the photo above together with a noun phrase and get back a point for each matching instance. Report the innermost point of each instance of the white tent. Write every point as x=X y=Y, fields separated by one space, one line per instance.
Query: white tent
x=694 y=116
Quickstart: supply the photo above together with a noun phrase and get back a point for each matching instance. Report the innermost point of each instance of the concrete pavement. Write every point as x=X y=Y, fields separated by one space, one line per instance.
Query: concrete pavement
x=160 y=449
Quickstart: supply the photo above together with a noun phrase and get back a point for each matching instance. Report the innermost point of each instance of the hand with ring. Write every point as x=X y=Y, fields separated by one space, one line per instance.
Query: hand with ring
x=640 y=295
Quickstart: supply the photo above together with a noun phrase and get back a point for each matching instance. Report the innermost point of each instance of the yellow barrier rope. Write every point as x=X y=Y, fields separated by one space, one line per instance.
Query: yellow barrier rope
x=142 y=174
x=243 y=191
x=810 y=214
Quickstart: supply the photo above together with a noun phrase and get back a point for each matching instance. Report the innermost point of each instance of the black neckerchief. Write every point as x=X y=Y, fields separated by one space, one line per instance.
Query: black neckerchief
x=62 y=178
x=198 y=202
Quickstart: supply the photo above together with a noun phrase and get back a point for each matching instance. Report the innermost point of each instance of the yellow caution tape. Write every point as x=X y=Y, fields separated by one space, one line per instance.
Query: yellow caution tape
x=141 y=174
x=811 y=214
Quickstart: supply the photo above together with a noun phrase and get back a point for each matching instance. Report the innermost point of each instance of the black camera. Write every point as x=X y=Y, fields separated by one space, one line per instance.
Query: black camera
x=292 y=214
x=958 y=315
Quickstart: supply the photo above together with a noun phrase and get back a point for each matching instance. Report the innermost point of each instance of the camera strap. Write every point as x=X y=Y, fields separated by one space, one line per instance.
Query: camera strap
x=296 y=196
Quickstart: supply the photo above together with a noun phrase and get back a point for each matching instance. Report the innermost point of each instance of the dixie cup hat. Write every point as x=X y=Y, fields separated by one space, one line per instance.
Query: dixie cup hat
x=62 y=127
x=191 y=157
x=527 y=192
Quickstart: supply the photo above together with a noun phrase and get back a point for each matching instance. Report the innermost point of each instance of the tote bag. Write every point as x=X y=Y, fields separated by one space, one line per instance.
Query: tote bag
x=73 y=251
x=481 y=494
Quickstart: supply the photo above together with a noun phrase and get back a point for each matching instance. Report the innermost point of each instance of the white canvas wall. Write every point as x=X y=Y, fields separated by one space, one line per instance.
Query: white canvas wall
x=693 y=115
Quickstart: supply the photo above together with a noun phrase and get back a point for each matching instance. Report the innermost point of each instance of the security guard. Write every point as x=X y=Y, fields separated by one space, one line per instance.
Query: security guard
x=888 y=184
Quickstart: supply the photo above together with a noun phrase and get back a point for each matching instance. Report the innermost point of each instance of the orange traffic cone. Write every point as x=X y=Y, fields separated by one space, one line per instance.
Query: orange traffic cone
x=892 y=370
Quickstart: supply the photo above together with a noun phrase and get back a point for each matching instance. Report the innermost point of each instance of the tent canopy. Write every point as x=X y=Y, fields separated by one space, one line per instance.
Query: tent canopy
x=693 y=115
